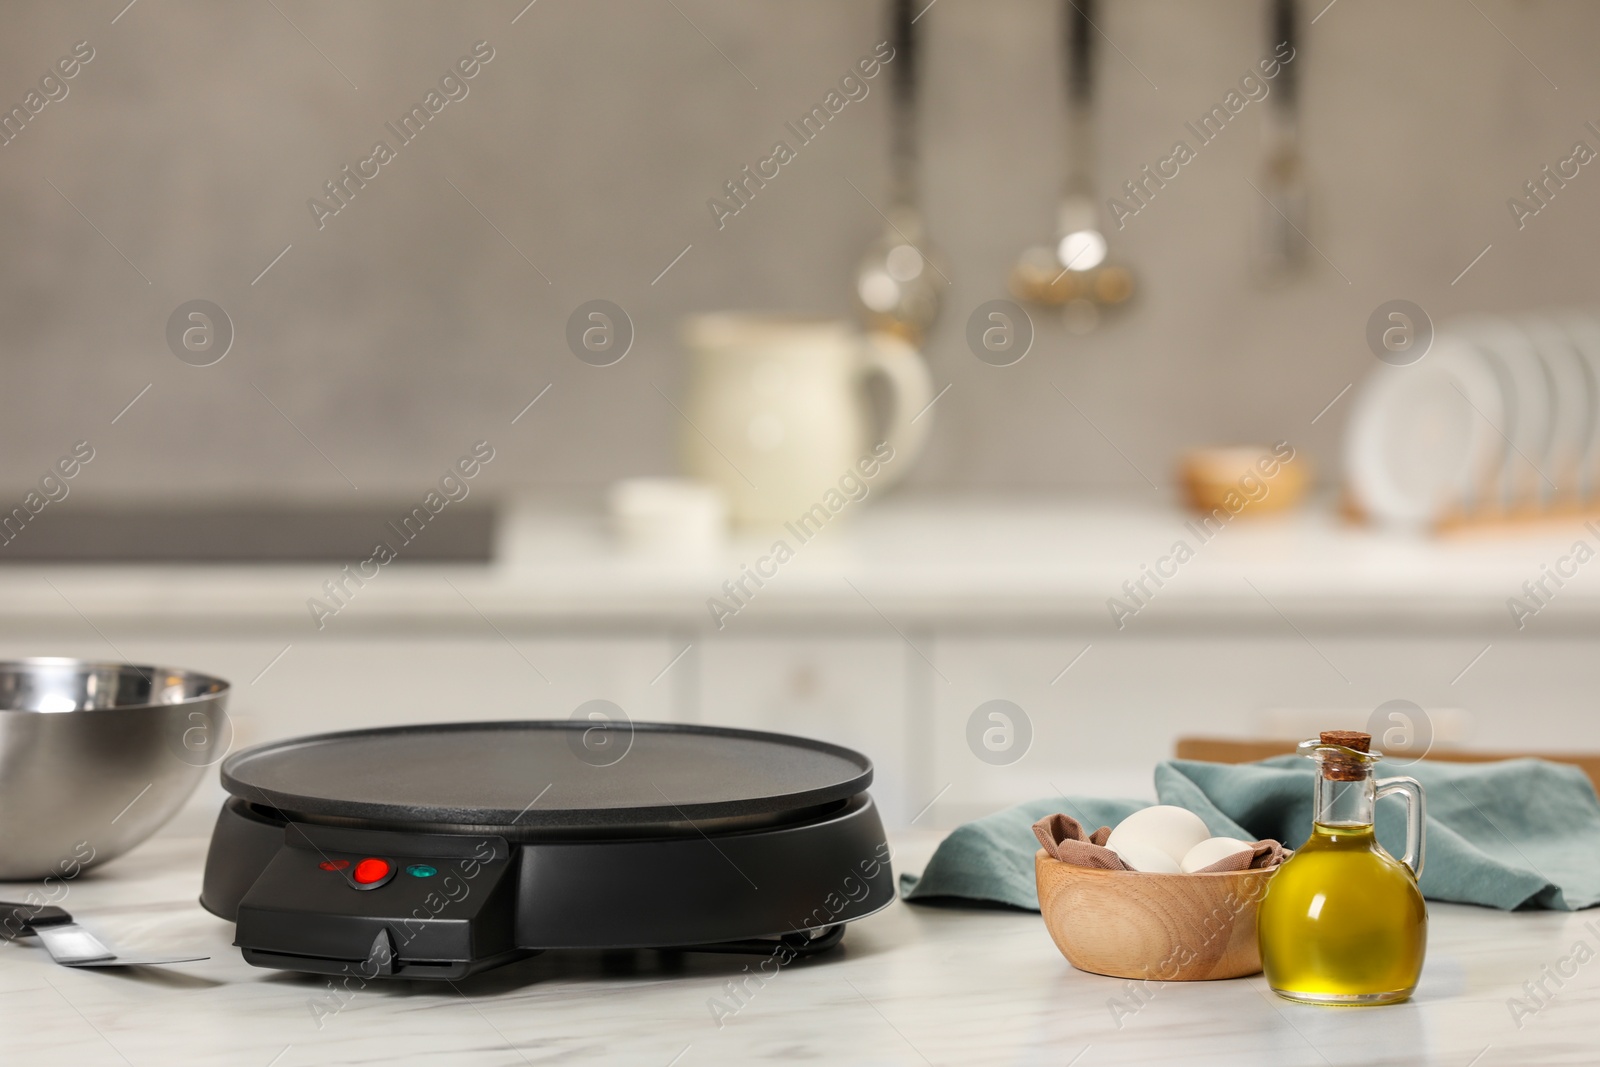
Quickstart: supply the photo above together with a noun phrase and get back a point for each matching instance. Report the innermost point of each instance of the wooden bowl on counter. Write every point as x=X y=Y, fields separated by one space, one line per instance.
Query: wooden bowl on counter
x=1236 y=480
x=1162 y=927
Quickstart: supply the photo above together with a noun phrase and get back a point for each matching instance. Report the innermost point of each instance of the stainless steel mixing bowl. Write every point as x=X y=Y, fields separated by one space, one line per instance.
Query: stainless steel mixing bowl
x=95 y=757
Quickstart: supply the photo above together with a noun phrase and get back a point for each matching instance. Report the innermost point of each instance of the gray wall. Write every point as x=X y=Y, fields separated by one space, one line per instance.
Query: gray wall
x=407 y=327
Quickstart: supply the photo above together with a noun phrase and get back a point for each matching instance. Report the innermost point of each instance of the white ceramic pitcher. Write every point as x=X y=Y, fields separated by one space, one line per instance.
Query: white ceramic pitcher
x=778 y=414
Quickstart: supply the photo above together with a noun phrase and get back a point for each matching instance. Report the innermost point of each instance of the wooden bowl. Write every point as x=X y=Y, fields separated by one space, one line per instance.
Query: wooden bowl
x=1233 y=481
x=1162 y=927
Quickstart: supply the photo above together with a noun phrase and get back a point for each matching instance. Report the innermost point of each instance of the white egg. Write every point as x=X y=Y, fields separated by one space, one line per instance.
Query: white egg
x=1211 y=850
x=1144 y=858
x=1164 y=828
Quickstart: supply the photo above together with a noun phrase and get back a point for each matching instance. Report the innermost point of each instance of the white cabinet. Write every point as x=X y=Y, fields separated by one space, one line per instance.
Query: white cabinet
x=1101 y=726
x=333 y=682
x=1095 y=722
x=850 y=691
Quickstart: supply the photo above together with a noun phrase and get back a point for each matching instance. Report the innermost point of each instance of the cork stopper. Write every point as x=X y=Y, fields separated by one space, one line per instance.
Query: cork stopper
x=1341 y=769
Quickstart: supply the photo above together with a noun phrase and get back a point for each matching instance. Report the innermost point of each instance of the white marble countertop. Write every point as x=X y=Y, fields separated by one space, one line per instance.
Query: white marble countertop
x=911 y=985
x=918 y=560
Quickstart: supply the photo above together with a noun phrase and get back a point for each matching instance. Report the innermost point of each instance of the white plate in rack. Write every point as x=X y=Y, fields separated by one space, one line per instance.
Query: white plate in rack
x=1529 y=405
x=1423 y=439
x=1584 y=330
x=1573 y=417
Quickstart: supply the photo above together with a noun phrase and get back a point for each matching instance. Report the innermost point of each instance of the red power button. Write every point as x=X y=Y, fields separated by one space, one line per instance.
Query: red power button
x=372 y=872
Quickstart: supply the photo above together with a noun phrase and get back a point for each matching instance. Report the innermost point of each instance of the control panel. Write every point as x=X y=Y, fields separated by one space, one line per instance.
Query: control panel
x=380 y=903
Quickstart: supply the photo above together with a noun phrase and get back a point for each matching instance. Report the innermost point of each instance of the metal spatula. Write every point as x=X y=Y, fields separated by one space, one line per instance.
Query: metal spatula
x=1281 y=240
x=68 y=943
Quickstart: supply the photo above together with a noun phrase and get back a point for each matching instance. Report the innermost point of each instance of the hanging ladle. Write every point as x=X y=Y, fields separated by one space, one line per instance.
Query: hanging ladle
x=896 y=283
x=1076 y=272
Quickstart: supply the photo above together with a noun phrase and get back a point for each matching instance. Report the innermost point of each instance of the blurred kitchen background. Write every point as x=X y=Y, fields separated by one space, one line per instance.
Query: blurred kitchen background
x=372 y=353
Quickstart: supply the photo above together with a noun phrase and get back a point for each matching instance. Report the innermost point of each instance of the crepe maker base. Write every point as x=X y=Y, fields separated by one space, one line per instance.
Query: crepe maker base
x=441 y=851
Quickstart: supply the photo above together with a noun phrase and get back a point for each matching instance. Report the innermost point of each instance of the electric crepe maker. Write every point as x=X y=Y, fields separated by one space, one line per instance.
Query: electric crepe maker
x=443 y=850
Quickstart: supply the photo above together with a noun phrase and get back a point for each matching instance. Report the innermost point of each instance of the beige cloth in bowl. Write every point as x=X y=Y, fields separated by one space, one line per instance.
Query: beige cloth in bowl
x=1063 y=838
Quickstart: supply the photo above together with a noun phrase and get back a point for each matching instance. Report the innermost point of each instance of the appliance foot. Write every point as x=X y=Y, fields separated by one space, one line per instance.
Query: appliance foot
x=801 y=944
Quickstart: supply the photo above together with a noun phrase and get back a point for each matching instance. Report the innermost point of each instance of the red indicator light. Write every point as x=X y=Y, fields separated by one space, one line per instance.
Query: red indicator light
x=372 y=870
x=334 y=865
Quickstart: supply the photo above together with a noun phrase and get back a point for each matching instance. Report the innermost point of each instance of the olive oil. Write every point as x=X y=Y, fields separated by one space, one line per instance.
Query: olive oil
x=1343 y=922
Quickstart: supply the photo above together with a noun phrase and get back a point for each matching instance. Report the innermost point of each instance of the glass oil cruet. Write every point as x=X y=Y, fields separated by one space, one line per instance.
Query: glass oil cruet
x=1343 y=922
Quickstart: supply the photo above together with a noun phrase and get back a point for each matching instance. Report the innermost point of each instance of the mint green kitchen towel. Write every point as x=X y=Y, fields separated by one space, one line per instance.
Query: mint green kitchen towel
x=1514 y=834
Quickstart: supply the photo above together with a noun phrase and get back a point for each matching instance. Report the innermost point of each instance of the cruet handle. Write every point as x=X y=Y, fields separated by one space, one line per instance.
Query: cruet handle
x=1416 y=813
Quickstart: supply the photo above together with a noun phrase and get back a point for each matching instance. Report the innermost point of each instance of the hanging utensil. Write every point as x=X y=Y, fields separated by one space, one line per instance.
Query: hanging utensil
x=1281 y=234
x=1076 y=270
x=897 y=283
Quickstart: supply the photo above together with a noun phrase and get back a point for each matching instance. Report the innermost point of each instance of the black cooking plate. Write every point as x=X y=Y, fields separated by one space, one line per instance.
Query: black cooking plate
x=535 y=775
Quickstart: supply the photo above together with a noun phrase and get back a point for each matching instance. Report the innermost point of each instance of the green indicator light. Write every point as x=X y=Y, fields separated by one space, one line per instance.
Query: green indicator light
x=421 y=870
